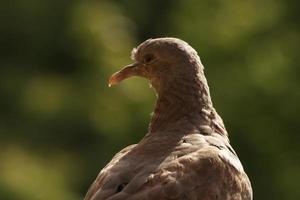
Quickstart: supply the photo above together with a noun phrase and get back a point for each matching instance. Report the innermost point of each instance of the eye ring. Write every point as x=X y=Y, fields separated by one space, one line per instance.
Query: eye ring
x=148 y=58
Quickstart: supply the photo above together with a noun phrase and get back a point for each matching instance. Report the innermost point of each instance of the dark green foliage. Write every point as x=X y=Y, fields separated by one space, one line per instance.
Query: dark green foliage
x=60 y=123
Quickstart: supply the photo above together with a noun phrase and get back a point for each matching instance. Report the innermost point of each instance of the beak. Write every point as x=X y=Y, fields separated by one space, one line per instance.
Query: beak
x=135 y=69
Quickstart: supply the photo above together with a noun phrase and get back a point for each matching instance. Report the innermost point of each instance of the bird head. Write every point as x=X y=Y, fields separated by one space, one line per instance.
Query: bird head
x=161 y=60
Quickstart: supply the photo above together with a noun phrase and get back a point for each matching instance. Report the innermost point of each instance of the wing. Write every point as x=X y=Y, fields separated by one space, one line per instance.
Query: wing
x=105 y=172
x=201 y=175
x=199 y=167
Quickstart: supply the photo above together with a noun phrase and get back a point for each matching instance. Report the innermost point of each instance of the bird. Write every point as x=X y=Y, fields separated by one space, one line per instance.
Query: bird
x=186 y=153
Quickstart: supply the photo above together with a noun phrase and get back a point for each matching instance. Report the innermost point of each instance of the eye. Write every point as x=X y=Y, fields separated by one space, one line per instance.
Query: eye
x=148 y=58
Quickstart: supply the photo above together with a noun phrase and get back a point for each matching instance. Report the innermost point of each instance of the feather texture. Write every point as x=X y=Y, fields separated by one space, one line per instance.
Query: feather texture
x=186 y=154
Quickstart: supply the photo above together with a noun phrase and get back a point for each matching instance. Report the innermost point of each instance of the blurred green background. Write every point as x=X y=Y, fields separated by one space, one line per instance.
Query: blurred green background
x=60 y=123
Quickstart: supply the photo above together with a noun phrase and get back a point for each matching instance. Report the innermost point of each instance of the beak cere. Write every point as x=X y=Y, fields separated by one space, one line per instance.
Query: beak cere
x=135 y=69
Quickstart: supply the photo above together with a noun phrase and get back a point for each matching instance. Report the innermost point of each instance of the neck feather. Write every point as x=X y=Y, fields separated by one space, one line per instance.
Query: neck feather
x=186 y=102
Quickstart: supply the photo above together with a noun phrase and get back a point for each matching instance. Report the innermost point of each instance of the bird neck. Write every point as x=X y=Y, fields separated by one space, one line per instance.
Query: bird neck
x=186 y=103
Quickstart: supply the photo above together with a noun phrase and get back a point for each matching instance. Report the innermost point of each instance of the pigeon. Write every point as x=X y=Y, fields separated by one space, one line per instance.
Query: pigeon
x=186 y=154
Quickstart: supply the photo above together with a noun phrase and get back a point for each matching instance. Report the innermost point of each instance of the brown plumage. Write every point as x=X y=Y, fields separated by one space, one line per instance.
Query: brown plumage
x=186 y=153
